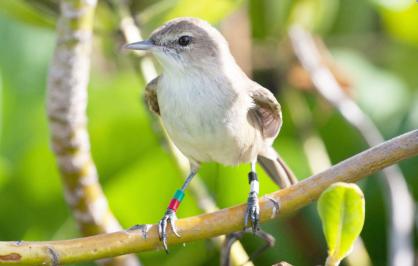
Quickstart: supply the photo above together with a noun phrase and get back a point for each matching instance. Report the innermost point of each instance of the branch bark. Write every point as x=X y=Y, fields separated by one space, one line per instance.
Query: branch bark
x=66 y=106
x=212 y=224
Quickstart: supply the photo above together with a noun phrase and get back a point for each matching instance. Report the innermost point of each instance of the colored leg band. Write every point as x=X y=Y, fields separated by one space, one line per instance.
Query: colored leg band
x=176 y=200
x=174 y=204
x=179 y=195
x=252 y=176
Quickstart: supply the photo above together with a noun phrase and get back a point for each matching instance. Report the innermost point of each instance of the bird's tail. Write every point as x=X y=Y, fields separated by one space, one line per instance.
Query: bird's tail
x=277 y=169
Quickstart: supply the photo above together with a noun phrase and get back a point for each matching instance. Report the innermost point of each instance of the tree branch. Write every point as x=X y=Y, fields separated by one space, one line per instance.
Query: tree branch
x=401 y=206
x=212 y=224
x=319 y=160
x=66 y=104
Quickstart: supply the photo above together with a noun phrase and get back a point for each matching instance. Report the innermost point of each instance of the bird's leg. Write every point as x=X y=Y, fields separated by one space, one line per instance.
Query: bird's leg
x=253 y=208
x=170 y=217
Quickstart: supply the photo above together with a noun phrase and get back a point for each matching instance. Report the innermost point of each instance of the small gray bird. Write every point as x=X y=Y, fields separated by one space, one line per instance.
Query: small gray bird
x=211 y=110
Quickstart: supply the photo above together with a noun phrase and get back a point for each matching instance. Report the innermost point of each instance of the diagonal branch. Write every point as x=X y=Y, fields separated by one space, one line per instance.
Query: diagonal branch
x=66 y=104
x=318 y=159
x=400 y=201
x=216 y=223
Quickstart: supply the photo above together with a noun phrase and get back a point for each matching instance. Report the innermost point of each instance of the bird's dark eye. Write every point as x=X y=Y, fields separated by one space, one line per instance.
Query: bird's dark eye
x=185 y=40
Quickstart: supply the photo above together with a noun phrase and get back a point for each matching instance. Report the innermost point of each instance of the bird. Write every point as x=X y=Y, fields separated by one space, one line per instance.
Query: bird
x=211 y=110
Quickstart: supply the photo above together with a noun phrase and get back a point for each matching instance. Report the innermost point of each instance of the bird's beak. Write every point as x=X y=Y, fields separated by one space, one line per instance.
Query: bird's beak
x=142 y=45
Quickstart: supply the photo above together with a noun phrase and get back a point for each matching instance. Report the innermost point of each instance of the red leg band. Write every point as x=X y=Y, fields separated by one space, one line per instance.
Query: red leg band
x=174 y=204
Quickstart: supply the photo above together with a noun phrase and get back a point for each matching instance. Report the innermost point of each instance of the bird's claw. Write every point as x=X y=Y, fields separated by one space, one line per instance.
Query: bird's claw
x=231 y=238
x=170 y=219
x=253 y=212
x=276 y=206
x=143 y=228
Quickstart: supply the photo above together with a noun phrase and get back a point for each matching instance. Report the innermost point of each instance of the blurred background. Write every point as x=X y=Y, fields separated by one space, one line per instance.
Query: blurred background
x=371 y=47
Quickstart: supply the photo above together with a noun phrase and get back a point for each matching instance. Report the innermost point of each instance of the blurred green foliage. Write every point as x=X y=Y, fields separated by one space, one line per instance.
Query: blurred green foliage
x=375 y=42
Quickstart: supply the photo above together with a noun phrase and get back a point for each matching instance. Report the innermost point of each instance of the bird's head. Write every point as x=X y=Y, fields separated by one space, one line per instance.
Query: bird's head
x=185 y=43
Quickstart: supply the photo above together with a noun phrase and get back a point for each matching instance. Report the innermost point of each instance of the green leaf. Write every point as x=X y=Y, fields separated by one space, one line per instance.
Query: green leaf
x=341 y=209
x=401 y=23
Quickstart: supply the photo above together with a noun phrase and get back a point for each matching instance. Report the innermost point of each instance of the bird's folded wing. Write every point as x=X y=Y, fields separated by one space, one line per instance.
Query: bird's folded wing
x=150 y=96
x=267 y=111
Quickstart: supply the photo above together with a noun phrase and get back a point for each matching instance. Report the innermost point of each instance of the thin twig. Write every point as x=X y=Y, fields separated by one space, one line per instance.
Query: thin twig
x=213 y=224
x=400 y=200
x=66 y=104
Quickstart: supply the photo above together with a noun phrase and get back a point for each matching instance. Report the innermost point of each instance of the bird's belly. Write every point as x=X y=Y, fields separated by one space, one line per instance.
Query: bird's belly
x=200 y=138
x=206 y=134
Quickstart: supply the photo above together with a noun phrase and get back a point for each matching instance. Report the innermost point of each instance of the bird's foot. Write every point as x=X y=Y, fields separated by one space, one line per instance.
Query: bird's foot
x=253 y=212
x=232 y=238
x=170 y=219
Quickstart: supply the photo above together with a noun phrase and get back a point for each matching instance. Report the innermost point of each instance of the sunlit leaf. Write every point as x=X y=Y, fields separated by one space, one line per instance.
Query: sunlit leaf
x=341 y=209
x=402 y=24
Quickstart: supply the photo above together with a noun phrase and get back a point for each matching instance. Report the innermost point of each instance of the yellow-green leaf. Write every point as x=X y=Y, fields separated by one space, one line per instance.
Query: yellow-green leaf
x=341 y=209
x=402 y=23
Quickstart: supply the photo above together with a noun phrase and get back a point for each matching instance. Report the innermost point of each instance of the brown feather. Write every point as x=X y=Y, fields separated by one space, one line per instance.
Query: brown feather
x=150 y=96
x=267 y=111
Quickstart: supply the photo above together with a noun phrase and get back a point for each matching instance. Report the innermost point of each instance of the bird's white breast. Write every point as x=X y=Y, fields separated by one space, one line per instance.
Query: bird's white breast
x=205 y=117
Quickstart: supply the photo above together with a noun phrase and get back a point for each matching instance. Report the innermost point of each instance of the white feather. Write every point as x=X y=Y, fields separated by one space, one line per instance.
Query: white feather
x=206 y=116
